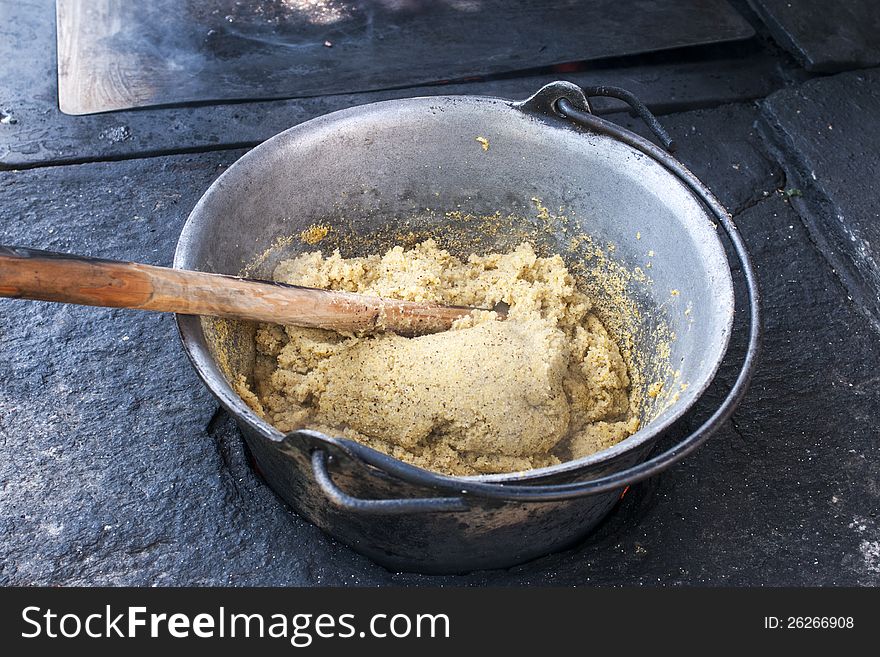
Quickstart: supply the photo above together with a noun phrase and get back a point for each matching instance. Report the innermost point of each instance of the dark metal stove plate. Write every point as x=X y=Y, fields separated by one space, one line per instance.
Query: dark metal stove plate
x=115 y=54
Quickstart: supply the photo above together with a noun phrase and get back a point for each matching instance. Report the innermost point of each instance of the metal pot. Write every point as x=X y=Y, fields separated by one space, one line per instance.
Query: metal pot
x=379 y=172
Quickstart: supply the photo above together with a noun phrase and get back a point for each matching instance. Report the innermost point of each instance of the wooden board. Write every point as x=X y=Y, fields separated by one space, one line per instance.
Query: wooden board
x=116 y=54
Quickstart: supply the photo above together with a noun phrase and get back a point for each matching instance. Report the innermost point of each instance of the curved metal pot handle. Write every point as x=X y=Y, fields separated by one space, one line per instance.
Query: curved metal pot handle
x=563 y=99
x=547 y=101
x=394 y=506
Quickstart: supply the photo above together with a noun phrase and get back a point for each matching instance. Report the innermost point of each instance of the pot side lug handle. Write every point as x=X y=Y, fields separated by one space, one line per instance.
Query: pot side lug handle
x=546 y=99
x=568 y=101
x=399 y=506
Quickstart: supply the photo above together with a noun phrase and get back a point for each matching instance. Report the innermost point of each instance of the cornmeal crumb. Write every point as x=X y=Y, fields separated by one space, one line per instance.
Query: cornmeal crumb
x=314 y=233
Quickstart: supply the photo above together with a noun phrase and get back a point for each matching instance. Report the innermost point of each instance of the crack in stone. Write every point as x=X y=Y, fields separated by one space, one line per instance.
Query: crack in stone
x=735 y=427
x=217 y=418
x=152 y=545
x=754 y=202
x=214 y=429
x=122 y=157
x=783 y=150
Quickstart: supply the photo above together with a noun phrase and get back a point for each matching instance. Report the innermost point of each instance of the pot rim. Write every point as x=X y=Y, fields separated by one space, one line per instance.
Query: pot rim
x=195 y=345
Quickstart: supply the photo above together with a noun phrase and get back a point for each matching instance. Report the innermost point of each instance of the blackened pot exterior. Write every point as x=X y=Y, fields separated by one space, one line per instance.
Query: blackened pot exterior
x=488 y=534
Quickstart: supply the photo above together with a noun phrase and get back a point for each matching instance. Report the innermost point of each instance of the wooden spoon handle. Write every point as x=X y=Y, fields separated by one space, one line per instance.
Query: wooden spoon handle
x=46 y=276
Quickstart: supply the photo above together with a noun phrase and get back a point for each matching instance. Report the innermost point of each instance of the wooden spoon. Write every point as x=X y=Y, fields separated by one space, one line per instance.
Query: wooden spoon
x=46 y=276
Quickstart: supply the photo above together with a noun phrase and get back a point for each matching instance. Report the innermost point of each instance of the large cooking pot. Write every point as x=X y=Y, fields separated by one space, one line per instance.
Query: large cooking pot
x=638 y=227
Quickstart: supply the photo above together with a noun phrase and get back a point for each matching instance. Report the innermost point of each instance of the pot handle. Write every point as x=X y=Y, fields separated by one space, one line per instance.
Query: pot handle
x=399 y=506
x=549 y=98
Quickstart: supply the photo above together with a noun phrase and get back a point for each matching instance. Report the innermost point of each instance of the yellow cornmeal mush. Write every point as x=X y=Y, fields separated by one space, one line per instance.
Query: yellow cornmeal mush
x=547 y=384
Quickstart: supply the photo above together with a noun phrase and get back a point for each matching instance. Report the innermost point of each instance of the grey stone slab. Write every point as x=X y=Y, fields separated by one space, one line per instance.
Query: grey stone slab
x=825 y=36
x=37 y=133
x=827 y=132
x=724 y=149
x=111 y=470
x=115 y=467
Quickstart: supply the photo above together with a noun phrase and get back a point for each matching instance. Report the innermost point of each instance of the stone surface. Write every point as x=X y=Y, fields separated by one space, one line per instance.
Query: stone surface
x=722 y=147
x=117 y=468
x=111 y=470
x=38 y=133
x=825 y=36
x=827 y=132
